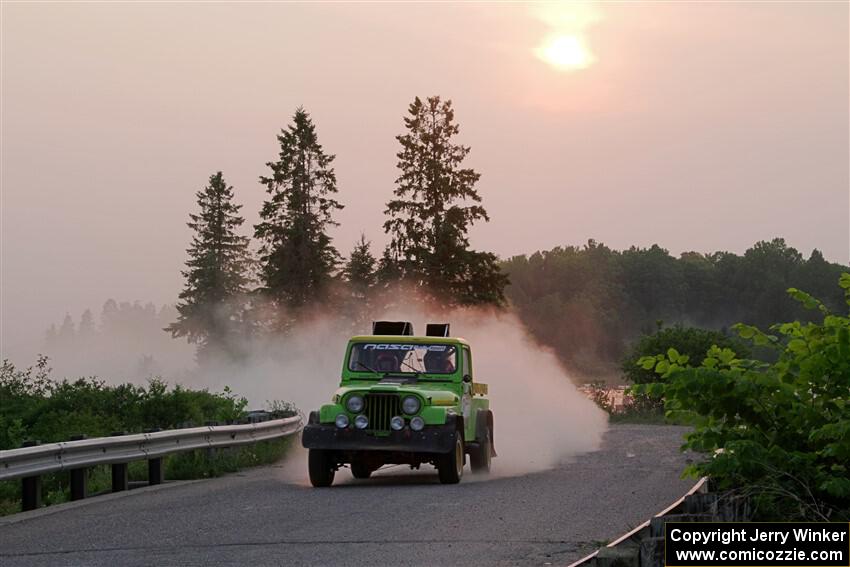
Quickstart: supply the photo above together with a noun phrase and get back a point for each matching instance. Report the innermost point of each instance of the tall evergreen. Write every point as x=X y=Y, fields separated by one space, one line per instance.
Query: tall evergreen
x=296 y=255
x=67 y=332
x=51 y=337
x=86 y=329
x=359 y=271
x=217 y=272
x=435 y=204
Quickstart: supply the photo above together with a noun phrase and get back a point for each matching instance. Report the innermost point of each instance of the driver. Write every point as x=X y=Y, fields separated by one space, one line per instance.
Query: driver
x=386 y=362
x=438 y=362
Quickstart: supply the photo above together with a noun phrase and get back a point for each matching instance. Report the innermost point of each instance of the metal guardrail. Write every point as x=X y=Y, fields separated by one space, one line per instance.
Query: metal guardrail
x=29 y=463
x=639 y=533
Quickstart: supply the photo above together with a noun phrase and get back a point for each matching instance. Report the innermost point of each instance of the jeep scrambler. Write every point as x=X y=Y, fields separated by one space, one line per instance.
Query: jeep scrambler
x=403 y=399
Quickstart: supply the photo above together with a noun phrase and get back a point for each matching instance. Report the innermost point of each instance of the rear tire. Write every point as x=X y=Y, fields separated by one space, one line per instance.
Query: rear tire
x=360 y=470
x=450 y=466
x=479 y=460
x=321 y=467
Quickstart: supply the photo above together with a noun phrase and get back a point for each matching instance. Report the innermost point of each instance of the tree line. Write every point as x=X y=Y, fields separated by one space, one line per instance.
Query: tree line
x=589 y=303
x=230 y=292
x=125 y=339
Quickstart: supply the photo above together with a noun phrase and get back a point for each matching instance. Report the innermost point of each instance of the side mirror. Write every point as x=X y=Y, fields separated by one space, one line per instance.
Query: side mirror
x=467 y=378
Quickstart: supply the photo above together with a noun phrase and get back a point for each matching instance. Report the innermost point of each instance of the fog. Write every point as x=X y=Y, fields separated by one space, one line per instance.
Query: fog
x=699 y=126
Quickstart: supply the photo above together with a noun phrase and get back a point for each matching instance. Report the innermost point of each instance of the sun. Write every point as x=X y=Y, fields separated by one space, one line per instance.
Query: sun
x=565 y=52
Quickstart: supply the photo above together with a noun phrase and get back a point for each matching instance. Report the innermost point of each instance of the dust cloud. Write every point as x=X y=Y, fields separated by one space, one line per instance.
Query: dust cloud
x=541 y=419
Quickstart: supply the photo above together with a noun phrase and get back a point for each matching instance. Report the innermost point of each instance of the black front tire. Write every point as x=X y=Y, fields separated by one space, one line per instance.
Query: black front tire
x=450 y=466
x=321 y=467
x=360 y=470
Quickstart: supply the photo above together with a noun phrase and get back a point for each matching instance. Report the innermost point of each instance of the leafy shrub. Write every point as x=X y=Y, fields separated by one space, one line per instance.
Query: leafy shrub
x=37 y=407
x=34 y=406
x=689 y=341
x=280 y=409
x=779 y=431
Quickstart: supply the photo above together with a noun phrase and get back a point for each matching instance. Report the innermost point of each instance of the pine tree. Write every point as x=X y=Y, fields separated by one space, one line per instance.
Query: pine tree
x=359 y=272
x=297 y=258
x=51 y=337
x=86 y=329
x=436 y=203
x=217 y=272
x=67 y=333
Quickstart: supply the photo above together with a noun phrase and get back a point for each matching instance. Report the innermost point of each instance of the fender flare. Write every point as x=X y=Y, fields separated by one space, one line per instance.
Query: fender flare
x=457 y=422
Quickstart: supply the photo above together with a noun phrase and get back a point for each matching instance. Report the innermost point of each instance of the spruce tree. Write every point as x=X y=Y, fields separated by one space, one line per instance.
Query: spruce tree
x=217 y=272
x=359 y=271
x=51 y=337
x=86 y=329
x=67 y=332
x=296 y=255
x=435 y=204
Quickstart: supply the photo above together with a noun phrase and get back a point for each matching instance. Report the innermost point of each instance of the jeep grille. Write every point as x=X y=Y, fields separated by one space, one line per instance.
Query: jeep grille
x=380 y=408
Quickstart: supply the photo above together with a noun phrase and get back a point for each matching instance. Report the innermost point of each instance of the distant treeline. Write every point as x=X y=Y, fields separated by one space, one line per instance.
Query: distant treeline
x=589 y=303
x=125 y=342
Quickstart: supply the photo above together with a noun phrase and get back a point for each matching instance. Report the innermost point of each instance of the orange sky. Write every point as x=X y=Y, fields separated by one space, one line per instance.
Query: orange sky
x=699 y=126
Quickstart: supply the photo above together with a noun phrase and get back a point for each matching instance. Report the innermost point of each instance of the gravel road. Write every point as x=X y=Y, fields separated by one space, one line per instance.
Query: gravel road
x=270 y=515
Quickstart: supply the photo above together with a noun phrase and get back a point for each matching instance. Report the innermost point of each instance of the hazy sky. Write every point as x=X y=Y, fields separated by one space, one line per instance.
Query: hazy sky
x=699 y=126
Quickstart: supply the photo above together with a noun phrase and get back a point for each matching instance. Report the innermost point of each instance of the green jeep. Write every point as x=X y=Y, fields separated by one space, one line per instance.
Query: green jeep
x=403 y=400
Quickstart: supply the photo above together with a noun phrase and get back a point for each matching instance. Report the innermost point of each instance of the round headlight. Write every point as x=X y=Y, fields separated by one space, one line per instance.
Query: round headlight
x=361 y=422
x=410 y=405
x=397 y=423
x=342 y=421
x=354 y=404
x=417 y=423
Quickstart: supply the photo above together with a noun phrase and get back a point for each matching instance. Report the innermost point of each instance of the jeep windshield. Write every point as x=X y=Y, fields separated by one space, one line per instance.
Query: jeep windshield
x=403 y=358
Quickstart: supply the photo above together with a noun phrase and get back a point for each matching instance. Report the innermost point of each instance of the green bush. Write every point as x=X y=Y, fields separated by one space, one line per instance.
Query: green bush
x=37 y=407
x=780 y=430
x=34 y=406
x=690 y=341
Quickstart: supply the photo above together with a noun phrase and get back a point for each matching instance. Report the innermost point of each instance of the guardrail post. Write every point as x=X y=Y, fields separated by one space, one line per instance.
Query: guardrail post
x=79 y=477
x=30 y=487
x=30 y=493
x=79 y=484
x=120 y=477
x=210 y=452
x=156 y=472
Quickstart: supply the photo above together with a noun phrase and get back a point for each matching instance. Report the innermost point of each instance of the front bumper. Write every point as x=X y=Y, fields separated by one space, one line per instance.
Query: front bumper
x=432 y=439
